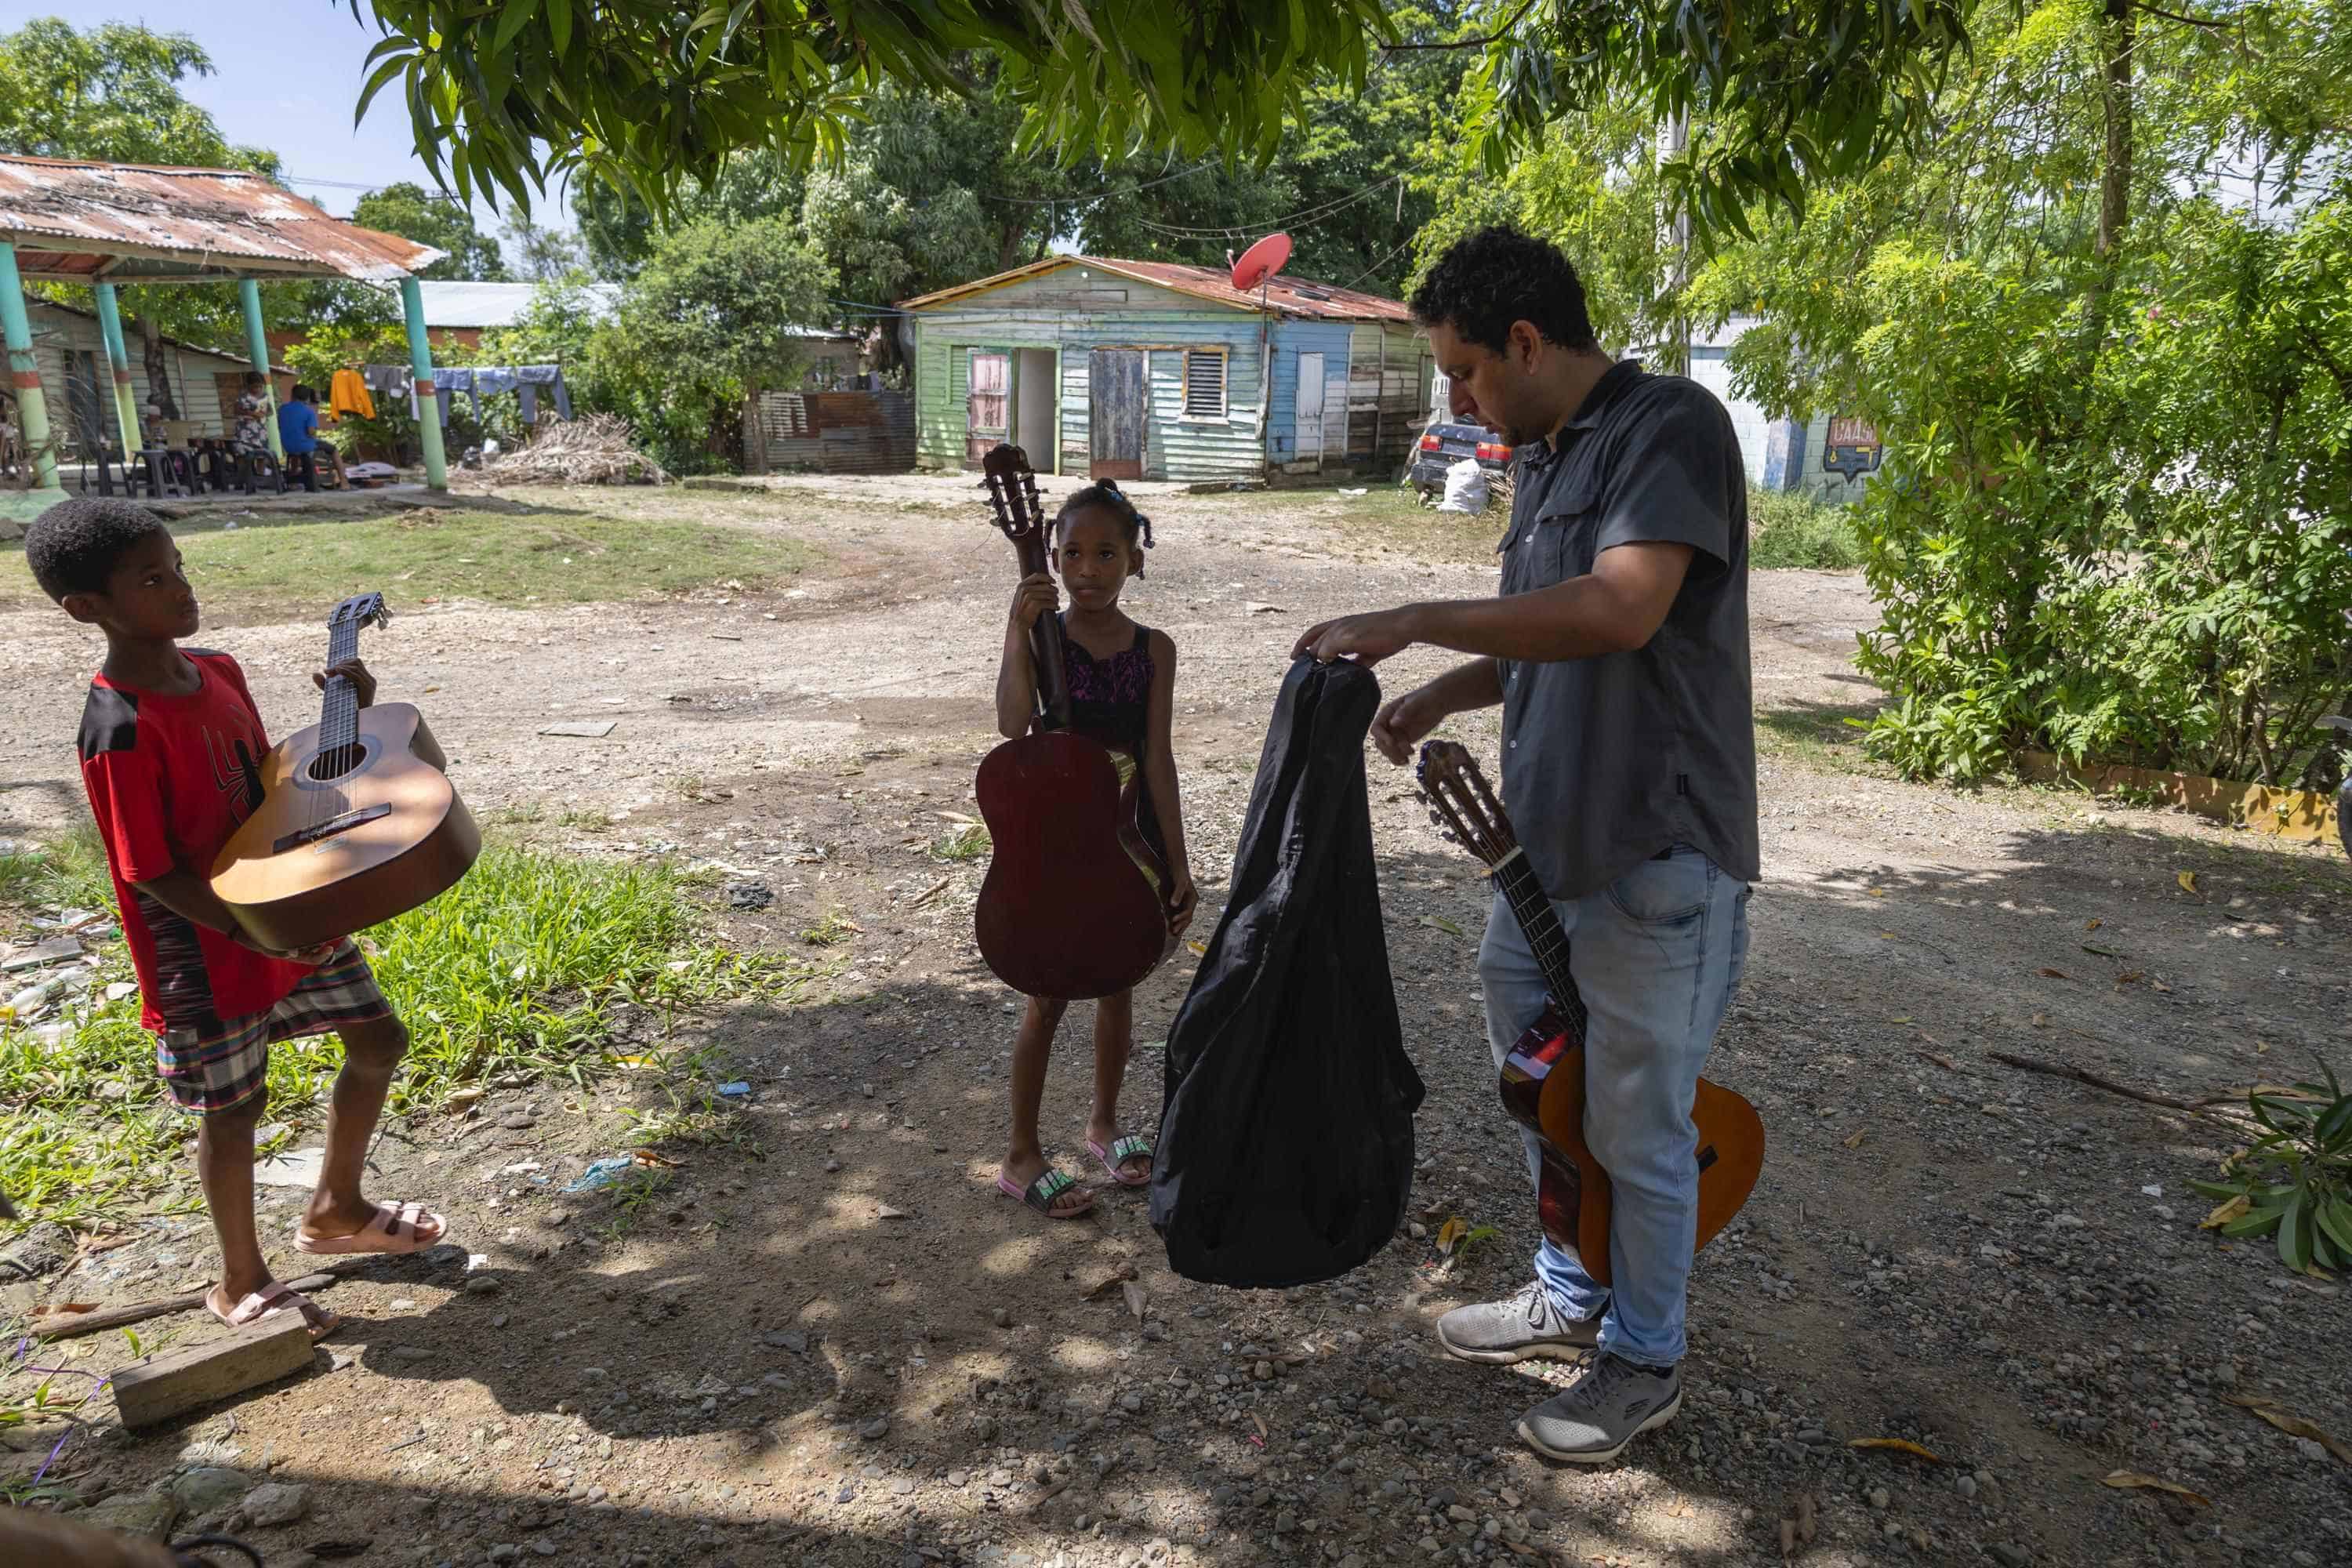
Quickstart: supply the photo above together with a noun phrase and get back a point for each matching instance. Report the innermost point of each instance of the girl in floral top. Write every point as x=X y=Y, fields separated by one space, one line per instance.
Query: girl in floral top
x=252 y=410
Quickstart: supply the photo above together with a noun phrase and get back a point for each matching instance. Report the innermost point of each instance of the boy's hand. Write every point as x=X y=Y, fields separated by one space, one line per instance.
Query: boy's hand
x=310 y=957
x=354 y=670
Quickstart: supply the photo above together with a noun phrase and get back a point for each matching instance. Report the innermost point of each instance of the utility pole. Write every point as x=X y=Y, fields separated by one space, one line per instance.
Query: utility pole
x=1678 y=348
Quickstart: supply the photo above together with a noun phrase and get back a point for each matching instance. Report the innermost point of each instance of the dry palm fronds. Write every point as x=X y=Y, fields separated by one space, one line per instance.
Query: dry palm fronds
x=596 y=450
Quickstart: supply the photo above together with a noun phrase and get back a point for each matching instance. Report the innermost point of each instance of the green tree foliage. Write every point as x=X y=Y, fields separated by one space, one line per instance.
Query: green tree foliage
x=410 y=211
x=657 y=97
x=715 y=313
x=2117 y=520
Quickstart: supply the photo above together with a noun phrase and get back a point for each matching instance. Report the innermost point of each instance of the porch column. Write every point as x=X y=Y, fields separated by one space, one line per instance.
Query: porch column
x=257 y=347
x=126 y=404
x=428 y=402
x=25 y=374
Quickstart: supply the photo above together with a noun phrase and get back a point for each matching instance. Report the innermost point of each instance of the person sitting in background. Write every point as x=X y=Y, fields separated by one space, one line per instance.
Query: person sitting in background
x=297 y=433
x=252 y=409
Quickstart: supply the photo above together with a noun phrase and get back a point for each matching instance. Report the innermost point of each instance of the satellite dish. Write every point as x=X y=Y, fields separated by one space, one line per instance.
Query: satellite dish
x=1261 y=261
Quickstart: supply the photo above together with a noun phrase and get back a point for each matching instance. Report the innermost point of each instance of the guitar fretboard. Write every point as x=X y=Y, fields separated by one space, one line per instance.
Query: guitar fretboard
x=338 y=715
x=1540 y=921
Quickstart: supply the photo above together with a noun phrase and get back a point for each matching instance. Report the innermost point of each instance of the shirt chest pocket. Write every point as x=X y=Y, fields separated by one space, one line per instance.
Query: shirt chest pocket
x=1561 y=541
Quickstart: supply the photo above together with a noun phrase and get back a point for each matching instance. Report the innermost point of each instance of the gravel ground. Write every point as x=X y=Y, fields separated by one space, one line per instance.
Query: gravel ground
x=827 y=1341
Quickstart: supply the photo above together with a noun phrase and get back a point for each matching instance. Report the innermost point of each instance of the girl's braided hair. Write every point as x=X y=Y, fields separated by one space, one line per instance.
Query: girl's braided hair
x=1106 y=493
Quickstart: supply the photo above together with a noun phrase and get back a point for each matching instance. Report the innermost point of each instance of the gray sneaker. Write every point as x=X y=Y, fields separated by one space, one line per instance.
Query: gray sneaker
x=1614 y=1403
x=1501 y=1332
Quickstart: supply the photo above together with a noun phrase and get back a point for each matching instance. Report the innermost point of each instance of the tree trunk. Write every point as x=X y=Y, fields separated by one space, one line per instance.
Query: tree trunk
x=157 y=355
x=755 y=435
x=2115 y=102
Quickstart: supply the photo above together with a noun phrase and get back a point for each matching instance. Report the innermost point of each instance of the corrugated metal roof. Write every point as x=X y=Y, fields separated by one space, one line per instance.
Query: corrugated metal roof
x=1284 y=296
x=75 y=221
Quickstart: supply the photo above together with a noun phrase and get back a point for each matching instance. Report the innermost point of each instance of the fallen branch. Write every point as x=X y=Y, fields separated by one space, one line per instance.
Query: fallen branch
x=2084 y=1076
x=73 y=1325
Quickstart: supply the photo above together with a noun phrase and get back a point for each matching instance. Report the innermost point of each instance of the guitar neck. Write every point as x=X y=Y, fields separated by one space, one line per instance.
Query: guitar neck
x=1540 y=922
x=1045 y=641
x=339 y=714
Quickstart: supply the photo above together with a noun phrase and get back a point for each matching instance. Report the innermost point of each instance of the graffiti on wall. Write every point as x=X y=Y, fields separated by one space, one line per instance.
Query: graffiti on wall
x=1852 y=450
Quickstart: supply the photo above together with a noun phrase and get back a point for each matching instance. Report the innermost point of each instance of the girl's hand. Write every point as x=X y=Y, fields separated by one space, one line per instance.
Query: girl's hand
x=353 y=670
x=1183 y=899
x=1035 y=596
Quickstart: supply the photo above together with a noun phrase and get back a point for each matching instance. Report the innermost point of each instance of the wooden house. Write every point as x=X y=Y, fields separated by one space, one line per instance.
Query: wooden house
x=70 y=352
x=1153 y=369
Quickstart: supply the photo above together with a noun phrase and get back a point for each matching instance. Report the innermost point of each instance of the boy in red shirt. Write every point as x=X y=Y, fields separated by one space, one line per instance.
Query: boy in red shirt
x=171 y=753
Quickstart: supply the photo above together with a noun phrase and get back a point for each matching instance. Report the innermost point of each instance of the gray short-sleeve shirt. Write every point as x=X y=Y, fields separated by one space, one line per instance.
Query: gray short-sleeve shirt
x=1608 y=761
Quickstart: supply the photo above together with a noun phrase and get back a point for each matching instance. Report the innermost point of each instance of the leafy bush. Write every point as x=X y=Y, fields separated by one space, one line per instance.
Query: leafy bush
x=1791 y=528
x=2295 y=1182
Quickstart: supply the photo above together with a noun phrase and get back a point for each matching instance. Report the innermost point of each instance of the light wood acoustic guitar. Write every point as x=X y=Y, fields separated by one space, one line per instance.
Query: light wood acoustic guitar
x=357 y=820
x=1543 y=1077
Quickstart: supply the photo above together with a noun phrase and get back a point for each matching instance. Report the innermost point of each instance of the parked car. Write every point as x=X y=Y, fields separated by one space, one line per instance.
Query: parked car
x=1443 y=446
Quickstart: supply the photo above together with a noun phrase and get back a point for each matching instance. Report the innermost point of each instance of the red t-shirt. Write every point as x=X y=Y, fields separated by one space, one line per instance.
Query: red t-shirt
x=169 y=779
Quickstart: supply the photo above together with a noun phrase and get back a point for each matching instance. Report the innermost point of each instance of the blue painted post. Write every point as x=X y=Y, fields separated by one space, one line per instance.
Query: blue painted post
x=25 y=375
x=118 y=356
x=428 y=402
x=257 y=345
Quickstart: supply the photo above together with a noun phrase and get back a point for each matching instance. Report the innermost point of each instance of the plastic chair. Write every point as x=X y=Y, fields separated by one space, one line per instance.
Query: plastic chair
x=254 y=466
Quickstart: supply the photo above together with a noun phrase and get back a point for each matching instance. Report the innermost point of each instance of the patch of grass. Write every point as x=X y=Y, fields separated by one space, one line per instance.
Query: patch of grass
x=69 y=874
x=583 y=819
x=1816 y=735
x=833 y=930
x=1393 y=517
x=1788 y=529
x=270 y=569
x=521 y=967
x=971 y=843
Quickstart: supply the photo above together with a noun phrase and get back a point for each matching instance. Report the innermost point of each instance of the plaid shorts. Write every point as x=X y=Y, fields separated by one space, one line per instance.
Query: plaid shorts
x=226 y=1066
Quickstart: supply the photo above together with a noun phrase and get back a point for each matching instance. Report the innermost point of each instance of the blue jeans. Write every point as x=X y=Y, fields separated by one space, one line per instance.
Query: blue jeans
x=1656 y=955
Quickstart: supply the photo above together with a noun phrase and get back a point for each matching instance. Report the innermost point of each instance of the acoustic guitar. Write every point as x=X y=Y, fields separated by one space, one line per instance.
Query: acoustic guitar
x=1073 y=906
x=357 y=822
x=1543 y=1076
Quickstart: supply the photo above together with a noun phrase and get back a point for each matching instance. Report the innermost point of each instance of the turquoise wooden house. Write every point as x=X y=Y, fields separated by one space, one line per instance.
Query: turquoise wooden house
x=1153 y=369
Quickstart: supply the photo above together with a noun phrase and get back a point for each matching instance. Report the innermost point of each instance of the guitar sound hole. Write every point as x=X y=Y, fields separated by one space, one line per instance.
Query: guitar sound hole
x=335 y=762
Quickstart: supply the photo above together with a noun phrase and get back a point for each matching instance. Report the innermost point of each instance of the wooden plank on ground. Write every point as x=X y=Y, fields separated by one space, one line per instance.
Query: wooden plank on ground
x=2305 y=815
x=166 y=1385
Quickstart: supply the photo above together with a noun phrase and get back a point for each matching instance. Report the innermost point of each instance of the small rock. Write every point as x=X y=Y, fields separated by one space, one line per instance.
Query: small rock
x=504 y=1553
x=517 y=1121
x=958 y=1479
x=275 y=1504
x=875 y=1430
x=209 y=1489
x=2010 y=1556
x=902 y=1486
x=1003 y=1318
x=485 y=1285
x=411 y=1354
x=1968 y=1485
x=210 y=1452
x=499 y=1322
x=403 y=1304
x=149 y=1514
x=831 y=1166
x=1880 y=1497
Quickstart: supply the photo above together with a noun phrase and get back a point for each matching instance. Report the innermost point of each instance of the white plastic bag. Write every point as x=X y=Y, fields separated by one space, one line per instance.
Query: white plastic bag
x=1465 y=488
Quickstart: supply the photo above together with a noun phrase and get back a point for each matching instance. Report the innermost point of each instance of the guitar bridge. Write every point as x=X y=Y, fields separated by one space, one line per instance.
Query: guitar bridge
x=329 y=828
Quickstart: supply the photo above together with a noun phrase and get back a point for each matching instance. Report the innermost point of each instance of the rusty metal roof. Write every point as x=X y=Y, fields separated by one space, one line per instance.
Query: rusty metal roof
x=79 y=222
x=1284 y=296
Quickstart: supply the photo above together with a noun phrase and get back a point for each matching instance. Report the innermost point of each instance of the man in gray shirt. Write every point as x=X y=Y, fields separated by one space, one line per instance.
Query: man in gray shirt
x=1618 y=649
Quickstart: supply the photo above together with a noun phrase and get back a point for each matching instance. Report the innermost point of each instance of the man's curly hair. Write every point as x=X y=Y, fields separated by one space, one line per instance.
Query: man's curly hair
x=1489 y=280
x=73 y=546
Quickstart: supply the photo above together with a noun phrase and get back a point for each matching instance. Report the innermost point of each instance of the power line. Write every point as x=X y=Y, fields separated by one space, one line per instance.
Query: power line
x=1383 y=261
x=1092 y=197
x=1308 y=215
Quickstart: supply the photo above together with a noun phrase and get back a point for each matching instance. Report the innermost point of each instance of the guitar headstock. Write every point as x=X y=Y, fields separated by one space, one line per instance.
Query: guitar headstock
x=359 y=611
x=1012 y=492
x=1461 y=804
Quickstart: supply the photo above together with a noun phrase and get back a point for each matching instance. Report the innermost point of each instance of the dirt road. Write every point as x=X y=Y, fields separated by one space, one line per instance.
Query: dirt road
x=829 y=1342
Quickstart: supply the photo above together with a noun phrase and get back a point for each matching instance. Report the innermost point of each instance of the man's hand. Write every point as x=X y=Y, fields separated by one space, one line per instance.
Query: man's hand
x=1366 y=638
x=354 y=670
x=1403 y=722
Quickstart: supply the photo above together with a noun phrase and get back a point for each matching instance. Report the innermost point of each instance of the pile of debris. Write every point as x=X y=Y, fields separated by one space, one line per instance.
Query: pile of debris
x=596 y=450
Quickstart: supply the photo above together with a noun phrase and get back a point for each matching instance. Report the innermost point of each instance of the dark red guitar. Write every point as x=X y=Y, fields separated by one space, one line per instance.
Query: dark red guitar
x=1074 y=903
x=1543 y=1077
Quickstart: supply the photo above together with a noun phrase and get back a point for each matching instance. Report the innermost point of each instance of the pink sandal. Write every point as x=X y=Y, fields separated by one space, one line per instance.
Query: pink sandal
x=270 y=1301
x=389 y=1229
x=1120 y=1152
